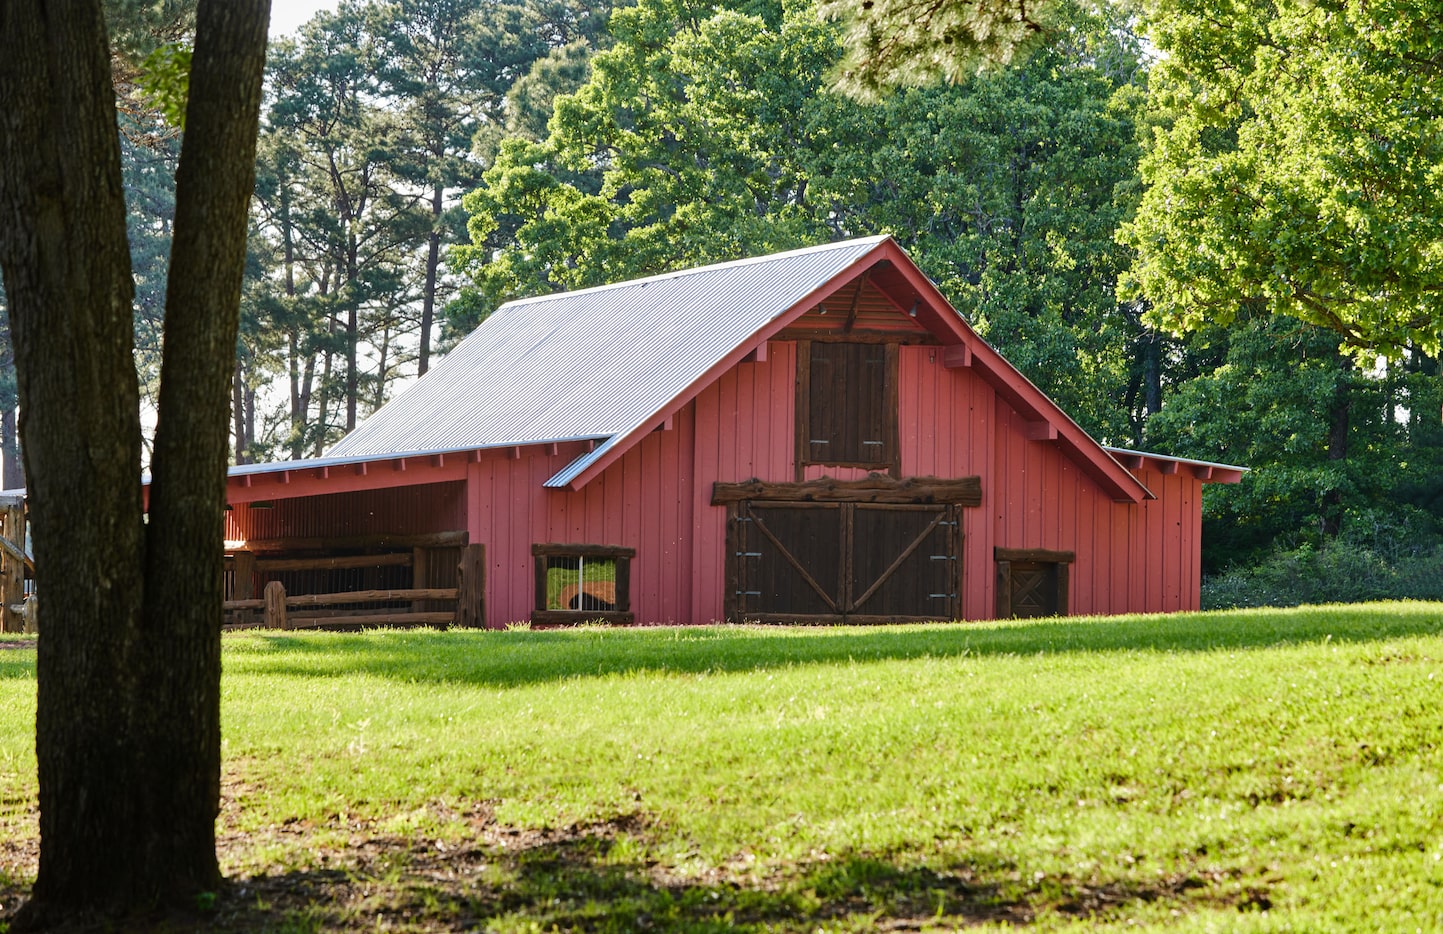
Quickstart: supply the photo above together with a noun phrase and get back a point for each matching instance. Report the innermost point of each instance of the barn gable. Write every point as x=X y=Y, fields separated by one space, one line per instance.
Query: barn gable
x=610 y=364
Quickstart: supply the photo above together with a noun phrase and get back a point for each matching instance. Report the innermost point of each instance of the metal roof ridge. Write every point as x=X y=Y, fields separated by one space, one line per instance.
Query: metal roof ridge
x=693 y=270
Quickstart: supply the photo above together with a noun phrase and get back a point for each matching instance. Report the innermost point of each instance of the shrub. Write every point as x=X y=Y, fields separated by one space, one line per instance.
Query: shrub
x=1341 y=571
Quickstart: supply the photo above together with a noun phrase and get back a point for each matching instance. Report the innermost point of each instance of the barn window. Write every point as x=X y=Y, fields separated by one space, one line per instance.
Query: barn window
x=1032 y=582
x=576 y=583
x=847 y=404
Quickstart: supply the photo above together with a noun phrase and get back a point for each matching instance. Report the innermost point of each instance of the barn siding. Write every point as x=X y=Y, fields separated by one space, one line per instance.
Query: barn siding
x=402 y=510
x=639 y=502
x=657 y=499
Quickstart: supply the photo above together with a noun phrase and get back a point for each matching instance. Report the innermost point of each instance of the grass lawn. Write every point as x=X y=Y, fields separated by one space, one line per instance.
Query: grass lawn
x=1261 y=770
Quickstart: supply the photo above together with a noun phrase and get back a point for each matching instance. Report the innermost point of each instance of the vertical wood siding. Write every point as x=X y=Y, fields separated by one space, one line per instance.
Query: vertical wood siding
x=657 y=499
x=642 y=501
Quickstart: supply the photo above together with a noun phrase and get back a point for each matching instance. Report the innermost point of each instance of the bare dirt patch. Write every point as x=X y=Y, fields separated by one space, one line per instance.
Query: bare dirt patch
x=583 y=878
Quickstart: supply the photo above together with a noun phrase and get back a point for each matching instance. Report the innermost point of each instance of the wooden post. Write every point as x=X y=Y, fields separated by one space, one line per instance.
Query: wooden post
x=244 y=575
x=275 y=597
x=471 y=580
x=420 y=575
x=32 y=623
x=12 y=568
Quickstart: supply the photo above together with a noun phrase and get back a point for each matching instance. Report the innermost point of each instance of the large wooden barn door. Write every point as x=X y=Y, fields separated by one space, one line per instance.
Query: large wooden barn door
x=845 y=562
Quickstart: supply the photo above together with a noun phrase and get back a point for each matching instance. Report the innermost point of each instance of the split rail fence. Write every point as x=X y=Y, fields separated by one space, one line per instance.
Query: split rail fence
x=446 y=579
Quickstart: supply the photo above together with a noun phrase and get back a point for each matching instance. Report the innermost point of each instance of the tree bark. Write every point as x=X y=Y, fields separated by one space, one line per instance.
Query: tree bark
x=14 y=476
x=66 y=263
x=428 y=295
x=178 y=725
x=127 y=725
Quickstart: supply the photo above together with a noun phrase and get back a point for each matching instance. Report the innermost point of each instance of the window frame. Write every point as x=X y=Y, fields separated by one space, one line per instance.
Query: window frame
x=622 y=556
x=890 y=461
x=1062 y=562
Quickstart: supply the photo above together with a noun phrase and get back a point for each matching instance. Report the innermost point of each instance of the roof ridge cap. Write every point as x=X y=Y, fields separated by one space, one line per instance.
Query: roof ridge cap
x=693 y=270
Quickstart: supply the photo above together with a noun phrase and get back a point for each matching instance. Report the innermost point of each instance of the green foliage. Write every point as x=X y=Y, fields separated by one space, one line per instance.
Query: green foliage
x=164 y=81
x=1301 y=172
x=1340 y=571
x=1329 y=445
x=907 y=43
x=705 y=135
x=1163 y=773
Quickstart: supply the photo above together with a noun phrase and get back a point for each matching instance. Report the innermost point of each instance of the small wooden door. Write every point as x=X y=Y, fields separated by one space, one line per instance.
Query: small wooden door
x=845 y=562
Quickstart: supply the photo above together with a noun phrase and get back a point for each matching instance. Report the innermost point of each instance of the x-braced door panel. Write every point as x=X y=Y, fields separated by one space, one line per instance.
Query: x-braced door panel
x=844 y=562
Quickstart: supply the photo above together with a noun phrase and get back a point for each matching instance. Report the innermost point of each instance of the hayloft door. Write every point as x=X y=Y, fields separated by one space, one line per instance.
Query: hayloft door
x=842 y=562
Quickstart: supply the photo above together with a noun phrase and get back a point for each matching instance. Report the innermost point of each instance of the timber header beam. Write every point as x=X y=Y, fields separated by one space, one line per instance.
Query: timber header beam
x=878 y=488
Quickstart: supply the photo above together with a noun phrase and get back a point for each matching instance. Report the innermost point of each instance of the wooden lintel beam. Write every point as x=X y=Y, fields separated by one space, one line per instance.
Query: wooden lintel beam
x=878 y=488
x=1041 y=431
x=956 y=355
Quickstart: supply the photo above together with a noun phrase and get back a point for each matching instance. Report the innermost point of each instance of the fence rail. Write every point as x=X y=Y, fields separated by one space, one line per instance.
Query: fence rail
x=275 y=609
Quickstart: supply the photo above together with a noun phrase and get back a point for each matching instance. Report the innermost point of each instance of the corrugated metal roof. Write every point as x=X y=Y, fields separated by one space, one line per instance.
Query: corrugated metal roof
x=596 y=362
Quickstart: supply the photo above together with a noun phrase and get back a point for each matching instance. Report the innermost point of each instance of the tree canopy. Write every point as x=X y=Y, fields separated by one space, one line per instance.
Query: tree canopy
x=1299 y=170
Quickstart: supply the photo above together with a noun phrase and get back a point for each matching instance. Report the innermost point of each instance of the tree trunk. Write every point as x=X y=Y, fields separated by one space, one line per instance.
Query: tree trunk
x=1339 y=412
x=179 y=719
x=14 y=475
x=428 y=296
x=238 y=414
x=66 y=262
x=127 y=724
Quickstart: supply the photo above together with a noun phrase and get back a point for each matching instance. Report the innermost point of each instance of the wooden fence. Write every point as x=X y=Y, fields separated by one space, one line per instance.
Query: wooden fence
x=14 y=563
x=357 y=607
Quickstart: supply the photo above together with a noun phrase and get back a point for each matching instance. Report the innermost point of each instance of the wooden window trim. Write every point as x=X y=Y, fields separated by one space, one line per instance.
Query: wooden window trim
x=891 y=456
x=1004 y=558
x=1034 y=554
x=622 y=556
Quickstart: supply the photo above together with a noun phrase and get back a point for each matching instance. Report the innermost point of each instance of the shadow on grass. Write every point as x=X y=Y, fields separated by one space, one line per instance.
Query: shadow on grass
x=521 y=657
x=575 y=880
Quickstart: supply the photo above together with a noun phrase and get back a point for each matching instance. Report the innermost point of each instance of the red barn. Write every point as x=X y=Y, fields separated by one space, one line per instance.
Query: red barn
x=814 y=436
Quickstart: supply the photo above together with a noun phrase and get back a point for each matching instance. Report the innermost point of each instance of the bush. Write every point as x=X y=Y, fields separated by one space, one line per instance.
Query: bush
x=1343 y=570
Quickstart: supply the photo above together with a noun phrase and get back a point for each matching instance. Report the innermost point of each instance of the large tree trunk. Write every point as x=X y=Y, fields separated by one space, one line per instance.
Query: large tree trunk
x=179 y=721
x=67 y=276
x=127 y=731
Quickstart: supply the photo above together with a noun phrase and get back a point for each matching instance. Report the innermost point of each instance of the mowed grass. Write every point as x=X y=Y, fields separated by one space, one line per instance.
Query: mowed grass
x=1274 y=770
